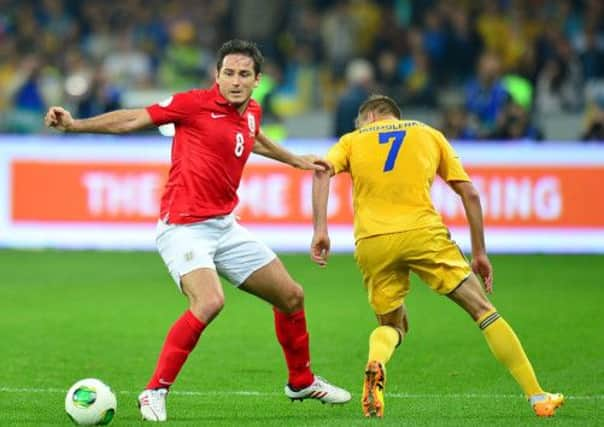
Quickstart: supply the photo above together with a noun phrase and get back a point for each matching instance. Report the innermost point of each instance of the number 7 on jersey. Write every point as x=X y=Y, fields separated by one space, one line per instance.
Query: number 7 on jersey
x=397 y=138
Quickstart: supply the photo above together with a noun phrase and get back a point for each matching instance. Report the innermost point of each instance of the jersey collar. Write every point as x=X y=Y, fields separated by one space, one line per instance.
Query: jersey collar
x=218 y=98
x=221 y=100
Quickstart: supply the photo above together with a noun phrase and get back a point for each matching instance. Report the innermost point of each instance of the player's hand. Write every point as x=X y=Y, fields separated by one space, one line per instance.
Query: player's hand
x=310 y=162
x=319 y=248
x=481 y=266
x=58 y=118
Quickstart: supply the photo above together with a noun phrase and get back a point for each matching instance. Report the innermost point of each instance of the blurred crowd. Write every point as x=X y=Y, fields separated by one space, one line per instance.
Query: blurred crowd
x=493 y=68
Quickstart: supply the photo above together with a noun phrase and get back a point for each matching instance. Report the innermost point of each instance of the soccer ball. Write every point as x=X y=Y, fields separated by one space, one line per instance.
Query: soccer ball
x=90 y=402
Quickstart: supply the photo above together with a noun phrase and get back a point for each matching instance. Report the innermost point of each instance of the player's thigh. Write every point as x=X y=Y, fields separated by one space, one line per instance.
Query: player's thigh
x=240 y=254
x=274 y=284
x=437 y=260
x=471 y=297
x=385 y=274
x=185 y=248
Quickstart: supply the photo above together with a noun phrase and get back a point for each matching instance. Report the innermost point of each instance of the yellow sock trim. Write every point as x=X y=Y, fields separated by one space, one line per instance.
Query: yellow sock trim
x=382 y=342
x=508 y=350
x=485 y=315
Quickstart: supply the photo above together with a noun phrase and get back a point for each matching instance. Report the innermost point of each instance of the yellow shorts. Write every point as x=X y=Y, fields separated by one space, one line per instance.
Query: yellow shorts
x=386 y=260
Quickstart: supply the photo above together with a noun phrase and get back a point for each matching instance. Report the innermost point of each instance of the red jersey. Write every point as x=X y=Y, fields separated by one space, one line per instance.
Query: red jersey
x=210 y=147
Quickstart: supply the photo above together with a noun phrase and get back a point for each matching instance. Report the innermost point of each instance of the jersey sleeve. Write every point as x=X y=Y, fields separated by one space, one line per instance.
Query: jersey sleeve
x=339 y=155
x=450 y=167
x=174 y=109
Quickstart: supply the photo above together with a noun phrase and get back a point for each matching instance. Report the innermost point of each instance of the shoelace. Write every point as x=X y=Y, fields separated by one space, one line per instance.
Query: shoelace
x=153 y=398
x=321 y=379
x=541 y=398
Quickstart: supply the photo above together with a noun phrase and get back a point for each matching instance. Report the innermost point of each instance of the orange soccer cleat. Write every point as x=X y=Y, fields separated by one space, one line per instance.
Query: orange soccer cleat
x=545 y=404
x=373 y=390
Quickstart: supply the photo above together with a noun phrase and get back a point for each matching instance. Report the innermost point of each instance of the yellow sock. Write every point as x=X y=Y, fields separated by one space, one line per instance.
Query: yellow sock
x=382 y=342
x=508 y=350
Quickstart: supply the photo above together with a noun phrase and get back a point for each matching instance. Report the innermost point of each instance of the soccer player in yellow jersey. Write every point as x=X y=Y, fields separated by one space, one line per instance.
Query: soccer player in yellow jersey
x=392 y=163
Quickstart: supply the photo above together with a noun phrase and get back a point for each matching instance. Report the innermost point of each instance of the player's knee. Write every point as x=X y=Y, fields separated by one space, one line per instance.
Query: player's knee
x=294 y=299
x=396 y=319
x=208 y=308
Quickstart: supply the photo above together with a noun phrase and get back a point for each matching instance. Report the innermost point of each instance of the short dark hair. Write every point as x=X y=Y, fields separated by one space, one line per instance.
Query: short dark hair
x=242 y=47
x=381 y=105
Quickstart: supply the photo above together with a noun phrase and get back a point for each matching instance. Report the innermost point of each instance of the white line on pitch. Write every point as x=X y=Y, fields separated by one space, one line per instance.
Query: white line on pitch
x=262 y=394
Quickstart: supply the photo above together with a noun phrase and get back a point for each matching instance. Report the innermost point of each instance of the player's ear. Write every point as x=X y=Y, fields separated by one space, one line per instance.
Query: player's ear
x=257 y=80
x=360 y=120
x=216 y=72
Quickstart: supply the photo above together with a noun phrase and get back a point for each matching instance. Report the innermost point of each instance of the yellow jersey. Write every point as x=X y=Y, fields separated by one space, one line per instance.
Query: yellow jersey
x=392 y=164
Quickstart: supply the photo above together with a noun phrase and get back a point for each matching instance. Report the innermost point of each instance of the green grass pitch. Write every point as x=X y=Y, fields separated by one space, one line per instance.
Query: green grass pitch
x=71 y=315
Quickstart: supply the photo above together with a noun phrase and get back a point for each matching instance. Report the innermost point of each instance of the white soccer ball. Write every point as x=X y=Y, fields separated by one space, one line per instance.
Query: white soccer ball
x=90 y=402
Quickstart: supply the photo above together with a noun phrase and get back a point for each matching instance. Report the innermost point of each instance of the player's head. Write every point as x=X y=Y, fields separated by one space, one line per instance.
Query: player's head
x=377 y=107
x=238 y=70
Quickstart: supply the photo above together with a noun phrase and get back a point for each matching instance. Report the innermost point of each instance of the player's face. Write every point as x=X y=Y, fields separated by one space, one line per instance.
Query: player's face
x=237 y=78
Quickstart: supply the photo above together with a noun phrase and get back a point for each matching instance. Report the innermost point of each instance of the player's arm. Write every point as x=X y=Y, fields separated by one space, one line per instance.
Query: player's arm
x=336 y=161
x=471 y=203
x=263 y=146
x=320 y=245
x=118 y=121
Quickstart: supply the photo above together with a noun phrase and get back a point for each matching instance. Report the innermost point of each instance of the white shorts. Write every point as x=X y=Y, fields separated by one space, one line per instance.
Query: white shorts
x=219 y=243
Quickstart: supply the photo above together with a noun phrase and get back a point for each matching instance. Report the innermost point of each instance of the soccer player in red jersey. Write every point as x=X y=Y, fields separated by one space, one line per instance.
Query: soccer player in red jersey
x=198 y=236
